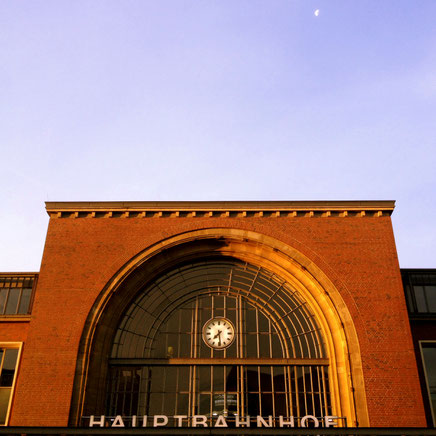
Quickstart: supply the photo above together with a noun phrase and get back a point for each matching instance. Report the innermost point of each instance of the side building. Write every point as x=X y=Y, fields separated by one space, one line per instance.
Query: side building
x=216 y=314
x=420 y=290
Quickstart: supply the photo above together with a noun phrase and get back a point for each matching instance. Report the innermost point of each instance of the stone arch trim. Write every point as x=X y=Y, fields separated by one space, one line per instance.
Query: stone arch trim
x=346 y=374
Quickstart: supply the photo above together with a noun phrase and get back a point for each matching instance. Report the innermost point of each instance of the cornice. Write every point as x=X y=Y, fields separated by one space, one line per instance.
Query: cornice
x=146 y=209
x=19 y=274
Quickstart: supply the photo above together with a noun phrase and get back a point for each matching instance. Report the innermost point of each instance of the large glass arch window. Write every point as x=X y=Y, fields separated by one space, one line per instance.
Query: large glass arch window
x=275 y=365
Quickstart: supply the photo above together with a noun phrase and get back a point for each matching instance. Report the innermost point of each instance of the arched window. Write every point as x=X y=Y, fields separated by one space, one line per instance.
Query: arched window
x=166 y=361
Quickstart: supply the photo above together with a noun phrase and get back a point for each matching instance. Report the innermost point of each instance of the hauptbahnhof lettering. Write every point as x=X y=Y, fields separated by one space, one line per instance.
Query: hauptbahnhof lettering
x=205 y=421
x=218 y=314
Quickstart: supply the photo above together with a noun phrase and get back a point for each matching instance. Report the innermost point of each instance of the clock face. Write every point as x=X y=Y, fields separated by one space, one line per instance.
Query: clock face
x=218 y=333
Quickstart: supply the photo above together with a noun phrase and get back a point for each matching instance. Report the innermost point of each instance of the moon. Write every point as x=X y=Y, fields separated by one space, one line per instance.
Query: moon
x=316 y=13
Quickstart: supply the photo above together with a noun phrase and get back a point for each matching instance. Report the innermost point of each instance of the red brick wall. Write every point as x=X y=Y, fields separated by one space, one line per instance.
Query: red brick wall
x=13 y=331
x=357 y=253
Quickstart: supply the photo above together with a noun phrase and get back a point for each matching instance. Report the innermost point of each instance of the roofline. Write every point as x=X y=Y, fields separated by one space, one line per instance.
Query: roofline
x=18 y=274
x=220 y=205
x=57 y=209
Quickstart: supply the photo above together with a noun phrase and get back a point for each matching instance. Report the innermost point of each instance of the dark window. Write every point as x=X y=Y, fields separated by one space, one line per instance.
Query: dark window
x=16 y=294
x=8 y=363
x=420 y=290
x=429 y=363
x=216 y=390
x=161 y=364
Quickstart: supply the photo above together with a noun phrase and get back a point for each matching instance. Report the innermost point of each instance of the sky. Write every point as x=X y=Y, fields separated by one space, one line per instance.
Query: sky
x=217 y=100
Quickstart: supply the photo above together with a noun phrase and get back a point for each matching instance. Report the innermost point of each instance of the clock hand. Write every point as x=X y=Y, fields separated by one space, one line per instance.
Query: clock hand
x=219 y=337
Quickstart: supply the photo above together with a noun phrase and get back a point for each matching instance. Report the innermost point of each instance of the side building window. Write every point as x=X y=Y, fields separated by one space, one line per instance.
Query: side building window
x=424 y=298
x=16 y=294
x=428 y=351
x=420 y=292
x=9 y=357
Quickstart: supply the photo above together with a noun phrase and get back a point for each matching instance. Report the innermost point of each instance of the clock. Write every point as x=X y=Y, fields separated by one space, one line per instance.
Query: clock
x=218 y=333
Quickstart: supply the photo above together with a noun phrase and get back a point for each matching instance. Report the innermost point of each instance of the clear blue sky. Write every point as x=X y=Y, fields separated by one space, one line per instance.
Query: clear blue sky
x=217 y=100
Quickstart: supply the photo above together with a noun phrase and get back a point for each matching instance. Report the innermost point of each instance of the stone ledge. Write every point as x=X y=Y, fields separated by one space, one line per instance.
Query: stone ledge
x=15 y=318
x=224 y=209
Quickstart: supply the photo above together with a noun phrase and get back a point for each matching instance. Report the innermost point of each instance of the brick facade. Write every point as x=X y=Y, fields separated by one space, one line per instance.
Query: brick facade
x=83 y=253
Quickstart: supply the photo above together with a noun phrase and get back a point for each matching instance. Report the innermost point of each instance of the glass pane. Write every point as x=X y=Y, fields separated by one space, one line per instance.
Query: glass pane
x=218 y=404
x=204 y=404
x=8 y=370
x=252 y=380
x=430 y=292
x=279 y=379
x=265 y=379
x=232 y=378
x=252 y=406
x=218 y=378
x=184 y=345
x=204 y=379
x=183 y=378
x=156 y=404
x=263 y=322
x=12 y=304
x=276 y=346
x=251 y=343
x=264 y=341
x=280 y=401
x=160 y=347
x=420 y=298
x=183 y=404
x=267 y=404
x=429 y=353
x=409 y=299
x=3 y=296
x=171 y=379
x=231 y=403
x=185 y=322
x=250 y=320
x=169 y=406
x=25 y=300
x=157 y=377
x=172 y=324
x=4 y=402
x=232 y=351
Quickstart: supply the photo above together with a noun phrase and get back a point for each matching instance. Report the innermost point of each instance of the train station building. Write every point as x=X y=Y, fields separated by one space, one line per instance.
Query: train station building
x=218 y=314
